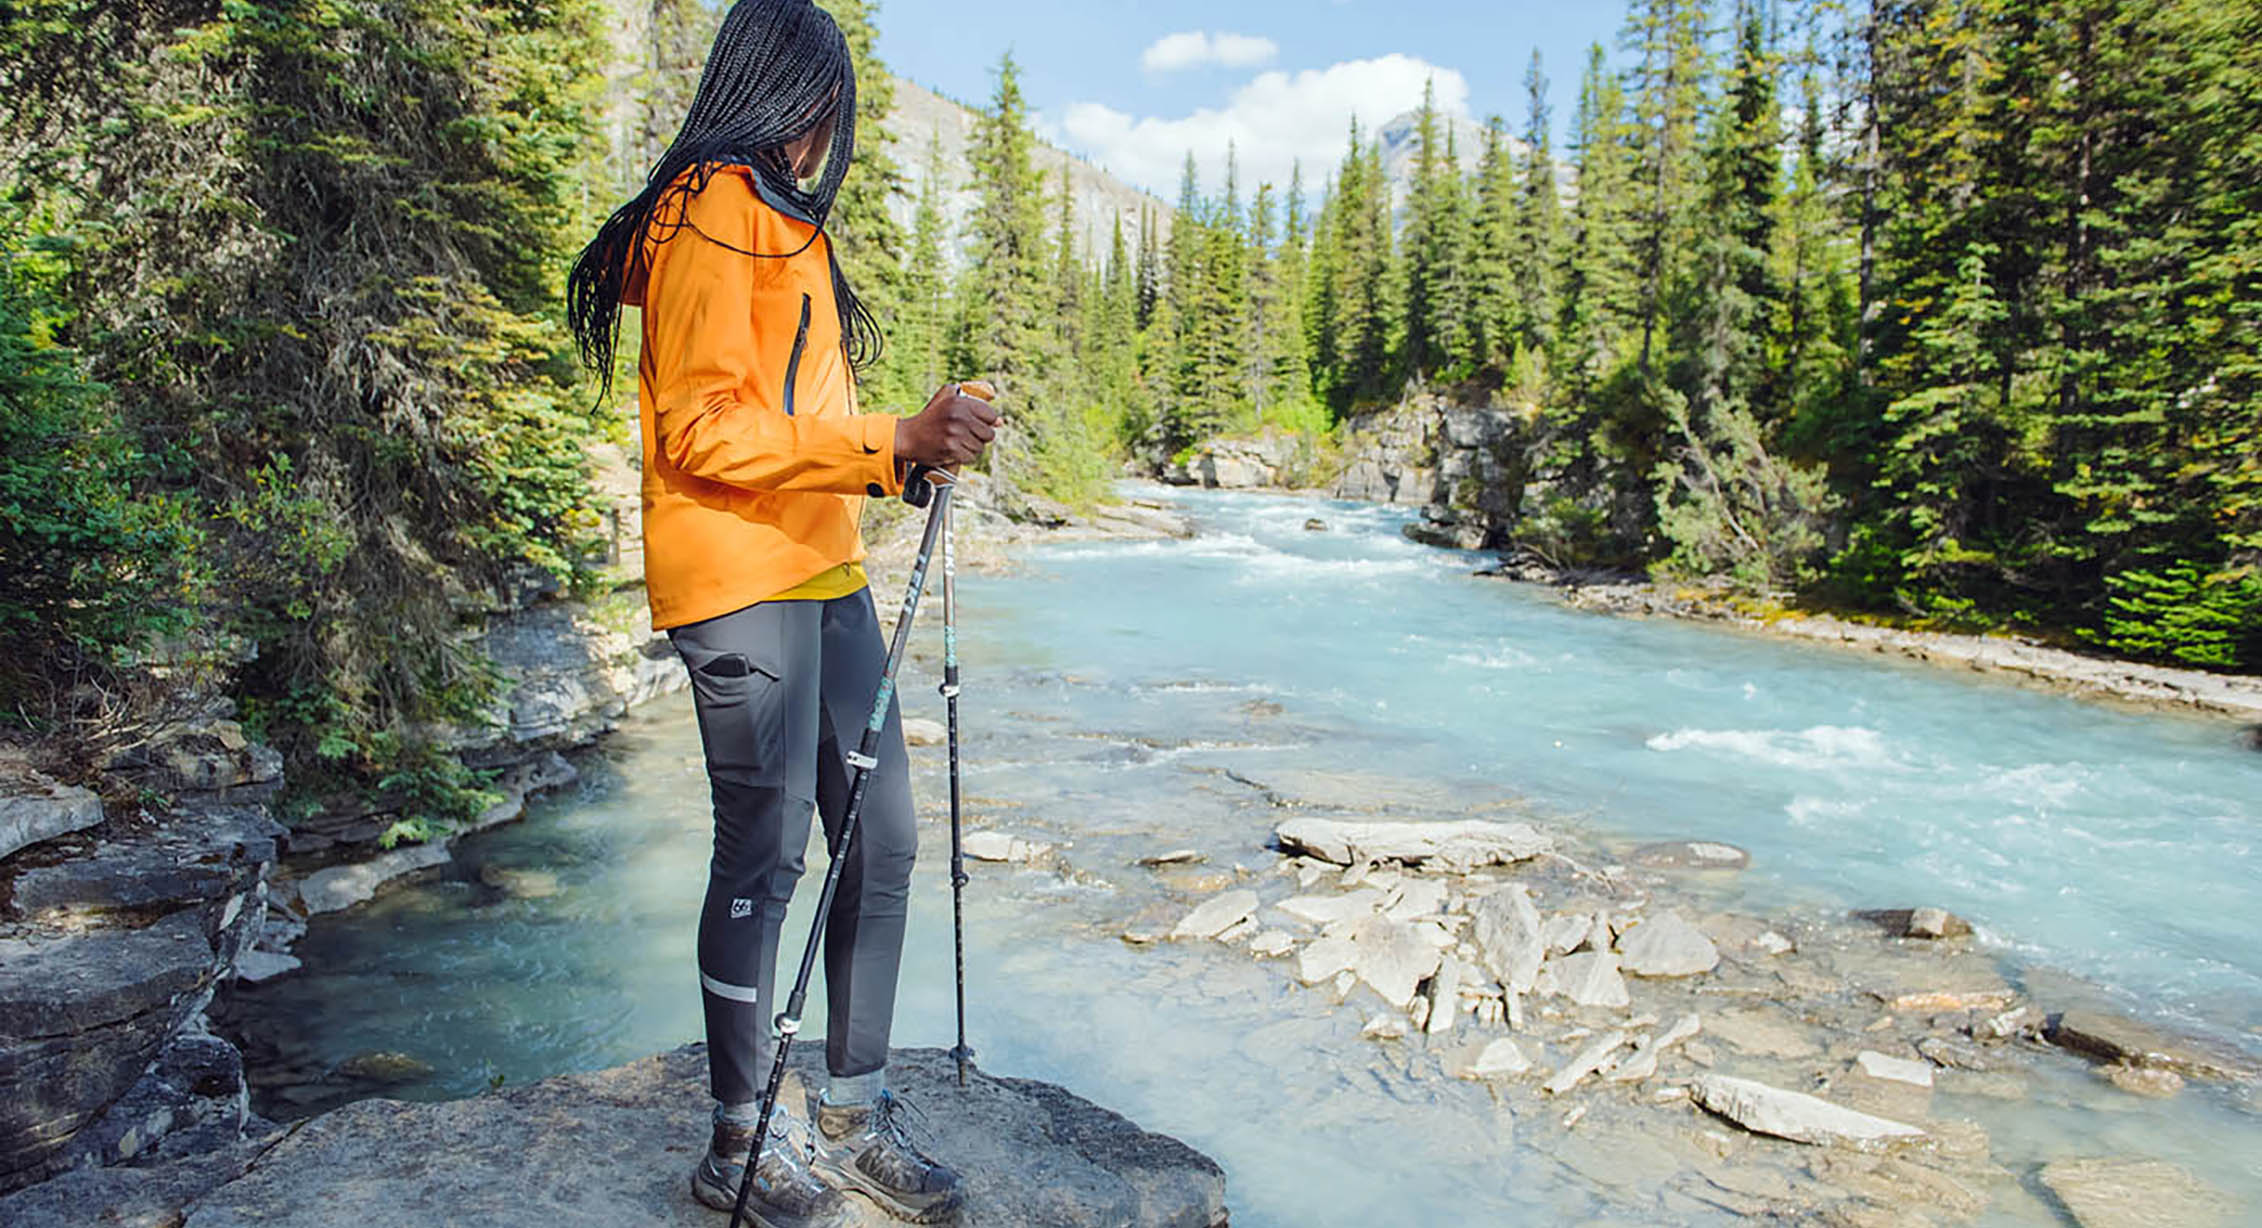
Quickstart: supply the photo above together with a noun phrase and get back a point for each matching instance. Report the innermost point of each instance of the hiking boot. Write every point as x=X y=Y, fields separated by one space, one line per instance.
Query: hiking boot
x=866 y=1148
x=785 y=1194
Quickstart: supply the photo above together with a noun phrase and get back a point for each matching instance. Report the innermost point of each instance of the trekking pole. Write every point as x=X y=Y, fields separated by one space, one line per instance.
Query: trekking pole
x=929 y=488
x=949 y=689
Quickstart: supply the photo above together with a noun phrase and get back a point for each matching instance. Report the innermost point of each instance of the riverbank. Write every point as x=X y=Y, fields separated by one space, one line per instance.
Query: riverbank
x=616 y=1147
x=2158 y=687
x=1456 y=464
x=125 y=925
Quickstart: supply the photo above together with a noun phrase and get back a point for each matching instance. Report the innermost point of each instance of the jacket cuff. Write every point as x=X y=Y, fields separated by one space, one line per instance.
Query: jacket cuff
x=876 y=432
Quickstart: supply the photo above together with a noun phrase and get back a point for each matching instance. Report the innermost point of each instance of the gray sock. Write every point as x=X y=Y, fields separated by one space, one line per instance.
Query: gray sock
x=740 y=1116
x=854 y=1089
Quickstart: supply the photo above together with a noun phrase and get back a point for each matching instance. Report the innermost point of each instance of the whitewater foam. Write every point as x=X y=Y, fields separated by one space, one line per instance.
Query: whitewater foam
x=1815 y=748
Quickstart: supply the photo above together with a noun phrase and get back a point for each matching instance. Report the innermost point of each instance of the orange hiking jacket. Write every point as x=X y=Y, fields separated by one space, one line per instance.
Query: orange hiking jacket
x=756 y=461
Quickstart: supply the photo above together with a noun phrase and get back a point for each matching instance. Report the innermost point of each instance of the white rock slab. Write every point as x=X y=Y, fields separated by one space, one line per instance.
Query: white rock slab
x=1898 y=1069
x=1589 y=978
x=919 y=731
x=1501 y=1058
x=342 y=887
x=1589 y=1060
x=1325 y=959
x=1508 y=934
x=1272 y=942
x=1461 y=845
x=1392 y=958
x=1444 y=995
x=1217 y=914
x=990 y=845
x=1667 y=945
x=1329 y=909
x=1796 y=1116
x=1565 y=933
x=1420 y=897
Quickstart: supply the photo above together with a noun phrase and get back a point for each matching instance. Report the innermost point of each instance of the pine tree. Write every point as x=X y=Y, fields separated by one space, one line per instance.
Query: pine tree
x=1359 y=315
x=1538 y=228
x=1004 y=328
x=1729 y=293
x=915 y=347
x=1496 y=311
x=1423 y=269
x=870 y=241
x=1668 y=96
x=1288 y=368
x=1601 y=276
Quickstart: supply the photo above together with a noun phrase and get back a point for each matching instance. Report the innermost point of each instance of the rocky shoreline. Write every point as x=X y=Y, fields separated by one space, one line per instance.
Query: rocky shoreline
x=1686 y=1056
x=615 y=1147
x=119 y=926
x=2149 y=686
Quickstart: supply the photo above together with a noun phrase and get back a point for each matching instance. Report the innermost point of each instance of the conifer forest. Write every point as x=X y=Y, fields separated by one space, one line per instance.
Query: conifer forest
x=1937 y=311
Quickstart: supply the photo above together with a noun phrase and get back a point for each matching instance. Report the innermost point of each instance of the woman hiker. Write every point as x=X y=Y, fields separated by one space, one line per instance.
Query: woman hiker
x=756 y=467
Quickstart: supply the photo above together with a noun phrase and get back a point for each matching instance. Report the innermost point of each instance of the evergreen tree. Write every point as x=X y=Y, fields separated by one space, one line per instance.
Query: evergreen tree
x=869 y=240
x=915 y=347
x=1601 y=277
x=1668 y=98
x=1538 y=228
x=1424 y=266
x=1496 y=311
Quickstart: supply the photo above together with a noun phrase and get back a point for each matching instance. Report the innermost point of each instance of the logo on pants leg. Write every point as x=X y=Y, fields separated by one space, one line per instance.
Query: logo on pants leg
x=741 y=908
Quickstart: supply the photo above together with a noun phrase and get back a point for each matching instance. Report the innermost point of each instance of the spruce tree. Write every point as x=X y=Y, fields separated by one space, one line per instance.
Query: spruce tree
x=1538 y=228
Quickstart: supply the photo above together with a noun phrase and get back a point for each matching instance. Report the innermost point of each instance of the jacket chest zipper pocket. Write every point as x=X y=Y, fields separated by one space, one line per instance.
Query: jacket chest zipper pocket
x=793 y=360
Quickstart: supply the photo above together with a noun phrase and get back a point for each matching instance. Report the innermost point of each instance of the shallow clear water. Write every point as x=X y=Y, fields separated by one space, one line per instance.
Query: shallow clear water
x=1111 y=687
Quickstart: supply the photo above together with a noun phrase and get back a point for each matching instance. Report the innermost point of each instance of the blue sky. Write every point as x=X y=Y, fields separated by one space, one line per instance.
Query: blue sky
x=1133 y=85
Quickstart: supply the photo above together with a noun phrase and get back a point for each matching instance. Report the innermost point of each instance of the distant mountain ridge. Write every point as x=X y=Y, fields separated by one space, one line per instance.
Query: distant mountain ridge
x=921 y=115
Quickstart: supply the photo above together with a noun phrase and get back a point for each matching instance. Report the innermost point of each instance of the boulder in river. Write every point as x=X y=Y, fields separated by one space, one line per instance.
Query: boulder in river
x=1690 y=855
x=2124 y=1193
x=1393 y=958
x=1498 y=1058
x=343 y=886
x=1796 y=1116
x=1457 y=846
x=1917 y=922
x=1001 y=846
x=1667 y=945
x=611 y=1148
x=2114 y=1038
x=1511 y=937
x=1589 y=978
x=1216 y=915
x=919 y=731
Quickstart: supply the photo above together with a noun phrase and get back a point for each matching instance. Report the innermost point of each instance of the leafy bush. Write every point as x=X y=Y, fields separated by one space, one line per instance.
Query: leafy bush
x=91 y=567
x=2184 y=613
x=322 y=247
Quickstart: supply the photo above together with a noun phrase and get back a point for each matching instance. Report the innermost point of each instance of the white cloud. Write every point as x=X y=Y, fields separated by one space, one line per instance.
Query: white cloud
x=1193 y=48
x=1272 y=121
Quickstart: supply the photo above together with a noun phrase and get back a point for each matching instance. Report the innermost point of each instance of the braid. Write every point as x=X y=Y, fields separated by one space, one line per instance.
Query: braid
x=779 y=69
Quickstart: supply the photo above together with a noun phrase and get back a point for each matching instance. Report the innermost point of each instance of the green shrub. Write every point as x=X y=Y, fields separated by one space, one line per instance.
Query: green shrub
x=2185 y=614
x=92 y=566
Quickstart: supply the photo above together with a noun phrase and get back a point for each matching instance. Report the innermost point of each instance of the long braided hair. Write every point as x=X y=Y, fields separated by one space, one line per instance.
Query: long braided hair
x=779 y=69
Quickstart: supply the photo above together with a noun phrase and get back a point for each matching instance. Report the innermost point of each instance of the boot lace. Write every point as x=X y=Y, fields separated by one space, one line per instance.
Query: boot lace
x=900 y=1122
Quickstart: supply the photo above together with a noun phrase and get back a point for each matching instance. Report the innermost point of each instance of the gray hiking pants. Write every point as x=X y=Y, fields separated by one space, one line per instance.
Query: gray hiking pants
x=783 y=690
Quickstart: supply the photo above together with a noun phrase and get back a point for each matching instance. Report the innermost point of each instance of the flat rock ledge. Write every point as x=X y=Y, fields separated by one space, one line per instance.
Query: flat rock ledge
x=616 y=1147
